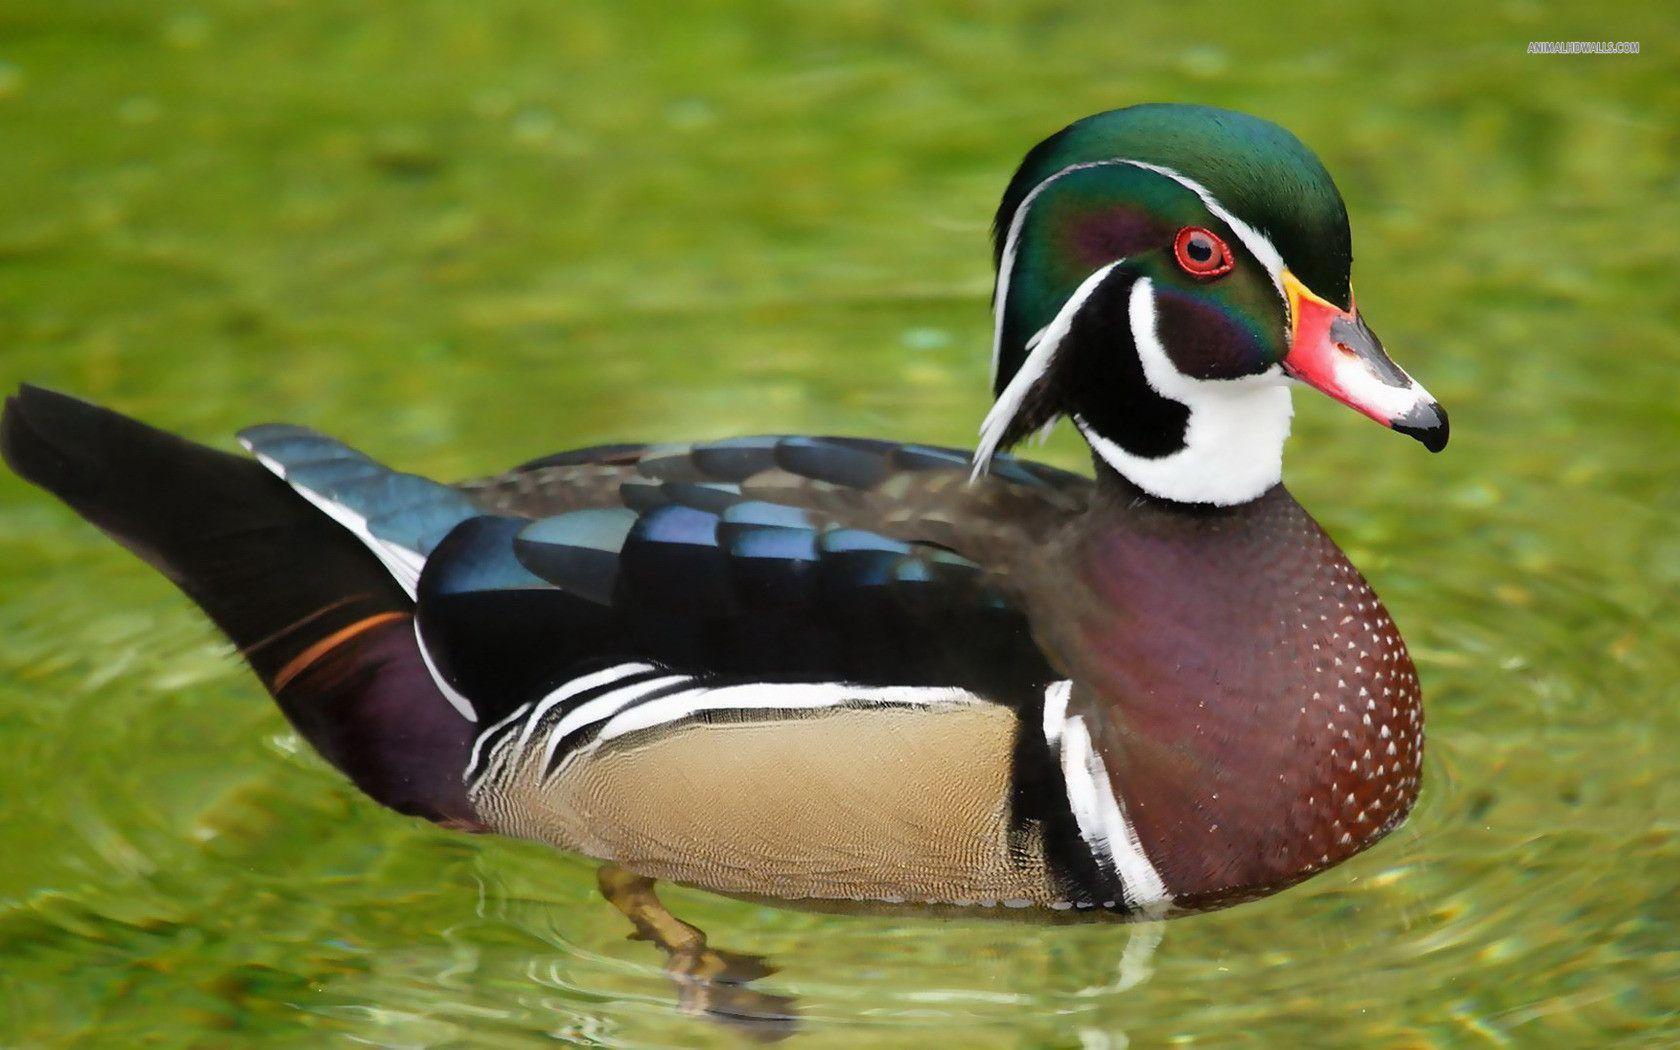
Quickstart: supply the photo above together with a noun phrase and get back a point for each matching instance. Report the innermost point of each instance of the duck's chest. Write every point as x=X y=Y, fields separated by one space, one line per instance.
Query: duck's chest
x=1253 y=702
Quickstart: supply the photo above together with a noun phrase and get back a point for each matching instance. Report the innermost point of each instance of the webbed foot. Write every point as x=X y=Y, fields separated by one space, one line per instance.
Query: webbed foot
x=711 y=982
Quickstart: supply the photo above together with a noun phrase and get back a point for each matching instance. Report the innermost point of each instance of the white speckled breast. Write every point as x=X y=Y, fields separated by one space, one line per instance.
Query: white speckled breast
x=1247 y=690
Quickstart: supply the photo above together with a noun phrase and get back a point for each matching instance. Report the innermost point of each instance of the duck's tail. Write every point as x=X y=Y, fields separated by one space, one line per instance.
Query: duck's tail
x=324 y=623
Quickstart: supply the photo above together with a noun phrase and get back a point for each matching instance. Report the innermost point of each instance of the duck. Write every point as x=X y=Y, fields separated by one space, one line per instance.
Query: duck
x=847 y=669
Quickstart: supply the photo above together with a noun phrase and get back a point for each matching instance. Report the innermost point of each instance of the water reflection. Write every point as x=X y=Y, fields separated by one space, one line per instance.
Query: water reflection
x=711 y=982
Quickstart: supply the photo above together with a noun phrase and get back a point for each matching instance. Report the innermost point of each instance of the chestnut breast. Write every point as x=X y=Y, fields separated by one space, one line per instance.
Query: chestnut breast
x=1254 y=704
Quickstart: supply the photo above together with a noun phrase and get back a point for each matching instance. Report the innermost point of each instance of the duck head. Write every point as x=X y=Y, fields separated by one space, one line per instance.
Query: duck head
x=1165 y=272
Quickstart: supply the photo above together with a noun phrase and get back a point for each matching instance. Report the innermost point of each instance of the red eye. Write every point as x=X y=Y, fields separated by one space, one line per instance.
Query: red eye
x=1201 y=253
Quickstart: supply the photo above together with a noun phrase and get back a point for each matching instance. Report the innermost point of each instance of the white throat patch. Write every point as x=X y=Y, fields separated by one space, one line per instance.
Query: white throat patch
x=1233 y=441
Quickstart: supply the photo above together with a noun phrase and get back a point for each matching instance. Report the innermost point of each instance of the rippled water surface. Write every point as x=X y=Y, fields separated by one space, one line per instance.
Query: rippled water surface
x=461 y=235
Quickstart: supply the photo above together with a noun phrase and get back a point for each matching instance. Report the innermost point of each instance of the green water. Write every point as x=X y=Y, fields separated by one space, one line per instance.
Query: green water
x=462 y=235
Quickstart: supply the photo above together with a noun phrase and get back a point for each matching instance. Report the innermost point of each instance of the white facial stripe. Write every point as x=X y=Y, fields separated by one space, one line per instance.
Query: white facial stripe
x=1006 y=266
x=1233 y=441
x=1103 y=824
x=1043 y=347
x=1258 y=244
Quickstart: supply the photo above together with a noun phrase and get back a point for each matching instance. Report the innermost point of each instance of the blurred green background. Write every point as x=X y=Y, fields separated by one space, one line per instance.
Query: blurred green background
x=460 y=235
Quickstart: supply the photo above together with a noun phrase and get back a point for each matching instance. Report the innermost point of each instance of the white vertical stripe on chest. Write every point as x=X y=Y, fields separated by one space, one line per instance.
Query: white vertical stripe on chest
x=1101 y=816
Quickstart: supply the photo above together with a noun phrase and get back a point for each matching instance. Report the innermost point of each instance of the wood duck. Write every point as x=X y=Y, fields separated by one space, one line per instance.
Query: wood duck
x=847 y=669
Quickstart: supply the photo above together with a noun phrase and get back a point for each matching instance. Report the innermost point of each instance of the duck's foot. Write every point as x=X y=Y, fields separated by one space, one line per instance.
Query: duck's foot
x=710 y=982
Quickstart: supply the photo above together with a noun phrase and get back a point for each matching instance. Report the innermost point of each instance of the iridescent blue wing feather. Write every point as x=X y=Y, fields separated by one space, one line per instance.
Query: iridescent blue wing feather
x=401 y=517
x=761 y=559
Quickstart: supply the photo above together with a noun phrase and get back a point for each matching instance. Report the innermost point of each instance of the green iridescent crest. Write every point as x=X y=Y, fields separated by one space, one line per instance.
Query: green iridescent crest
x=1089 y=218
x=1259 y=171
x=1075 y=221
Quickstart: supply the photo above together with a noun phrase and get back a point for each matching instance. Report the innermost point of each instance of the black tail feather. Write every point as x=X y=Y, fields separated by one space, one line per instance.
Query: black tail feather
x=272 y=572
x=279 y=578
